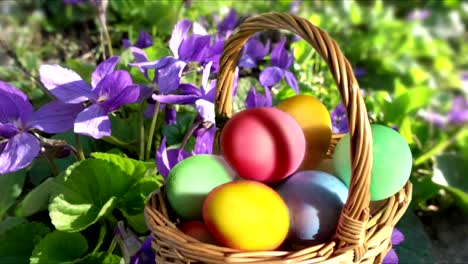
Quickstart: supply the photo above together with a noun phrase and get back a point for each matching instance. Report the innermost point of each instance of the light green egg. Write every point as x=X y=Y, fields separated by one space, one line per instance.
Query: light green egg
x=391 y=167
x=190 y=181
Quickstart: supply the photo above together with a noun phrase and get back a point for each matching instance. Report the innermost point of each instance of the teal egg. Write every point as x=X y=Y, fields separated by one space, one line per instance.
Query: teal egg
x=391 y=167
x=190 y=181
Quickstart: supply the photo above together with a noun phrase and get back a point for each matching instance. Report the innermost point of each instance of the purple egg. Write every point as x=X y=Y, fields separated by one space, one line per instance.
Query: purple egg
x=315 y=200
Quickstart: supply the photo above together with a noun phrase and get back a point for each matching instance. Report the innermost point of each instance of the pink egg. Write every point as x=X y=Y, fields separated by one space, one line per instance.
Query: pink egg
x=263 y=144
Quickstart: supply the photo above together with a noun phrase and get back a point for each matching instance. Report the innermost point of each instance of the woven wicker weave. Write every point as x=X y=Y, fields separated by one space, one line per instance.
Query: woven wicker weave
x=364 y=230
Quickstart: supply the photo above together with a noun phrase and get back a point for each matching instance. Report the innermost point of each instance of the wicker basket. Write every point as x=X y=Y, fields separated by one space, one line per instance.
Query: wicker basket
x=364 y=230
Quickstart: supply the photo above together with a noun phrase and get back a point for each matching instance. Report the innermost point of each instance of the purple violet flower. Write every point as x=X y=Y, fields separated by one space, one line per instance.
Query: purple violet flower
x=294 y=6
x=417 y=14
x=167 y=159
x=109 y=91
x=253 y=52
x=229 y=22
x=360 y=72
x=144 y=41
x=281 y=60
x=392 y=257
x=145 y=255
x=459 y=113
x=339 y=120
x=169 y=69
x=18 y=146
x=255 y=99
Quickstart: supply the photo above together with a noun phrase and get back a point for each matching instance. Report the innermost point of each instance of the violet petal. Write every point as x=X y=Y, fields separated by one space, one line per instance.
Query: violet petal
x=168 y=77
x=103 y=69
x=459 y=112
x=280 y=56
x=144 y=40
x=18 y=152
x=229 y=22
x=126 y=43
x=64 y=84
x=191 y=48
x=55 y=117
x=291 y=81
x=206 y=110
x=8 y=130
x=171 y=115
x=167 y=159
x=111 y=86
x=255 y=99
x=391 y=257
x=205 y=76
x=175 y=98
x=178 y=35
x=397 y=237
x=271 y=76
x=127 y=95
x=189 y=88
x=204 y=141
x=93 y=122
x=14 y=104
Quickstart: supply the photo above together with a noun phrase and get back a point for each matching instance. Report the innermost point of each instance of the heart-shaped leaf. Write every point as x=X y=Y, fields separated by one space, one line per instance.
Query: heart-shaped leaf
x=59 y=247
x=17 y=243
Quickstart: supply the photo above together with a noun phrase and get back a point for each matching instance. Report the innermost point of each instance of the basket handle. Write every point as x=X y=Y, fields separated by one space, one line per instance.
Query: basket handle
x=351 y=228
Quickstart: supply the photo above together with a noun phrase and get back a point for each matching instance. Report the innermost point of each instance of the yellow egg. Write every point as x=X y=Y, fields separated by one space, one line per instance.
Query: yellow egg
x=246 y=215
x=315 y=121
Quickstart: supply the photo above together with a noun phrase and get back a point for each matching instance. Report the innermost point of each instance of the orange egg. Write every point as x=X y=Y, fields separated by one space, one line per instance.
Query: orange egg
x=315 y=121
x=246 y=215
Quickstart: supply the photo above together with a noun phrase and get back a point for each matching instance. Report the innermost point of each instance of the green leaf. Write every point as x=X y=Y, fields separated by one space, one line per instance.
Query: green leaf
x=86 y=193
x=416 y=248
x=407 y=103
x=59 y=247
x=450 y=172
x=91 y=189
x=100 y=258
x=175 y=133
x=83 y=69
x=11 y=186
x=10 y=222
x=17 y=243
x=36 y=200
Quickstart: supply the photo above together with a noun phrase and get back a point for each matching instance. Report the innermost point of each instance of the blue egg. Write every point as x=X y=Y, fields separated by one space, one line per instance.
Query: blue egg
x=314 y=200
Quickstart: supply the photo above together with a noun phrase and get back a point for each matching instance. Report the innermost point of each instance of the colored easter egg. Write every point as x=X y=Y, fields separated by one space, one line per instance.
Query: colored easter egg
x=315 y=121
x=197 y=230
x=263 y=144
x=246 y=215
x=392 y=162
x=190 y=181
x=315 y=200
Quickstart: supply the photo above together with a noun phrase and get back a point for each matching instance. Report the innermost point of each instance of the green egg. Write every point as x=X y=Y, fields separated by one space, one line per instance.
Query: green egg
x=391 y=167
x=190 y=181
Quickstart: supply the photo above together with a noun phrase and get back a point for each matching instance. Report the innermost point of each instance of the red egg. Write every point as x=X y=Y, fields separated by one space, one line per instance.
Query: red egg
x=263 y=144
x=197 y=230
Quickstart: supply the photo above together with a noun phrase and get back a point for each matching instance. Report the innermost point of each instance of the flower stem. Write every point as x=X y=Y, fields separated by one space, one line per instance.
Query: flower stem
x=79 y=147
x=142 y=132
x=151 y=130
x=108 y=40
x=52 y=166
x=189 y=133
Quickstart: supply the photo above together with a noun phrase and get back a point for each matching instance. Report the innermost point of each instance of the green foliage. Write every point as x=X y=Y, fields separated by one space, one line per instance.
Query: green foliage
x=88 y=191
x=17 y=243
x=59 y=247
x=12 y=185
